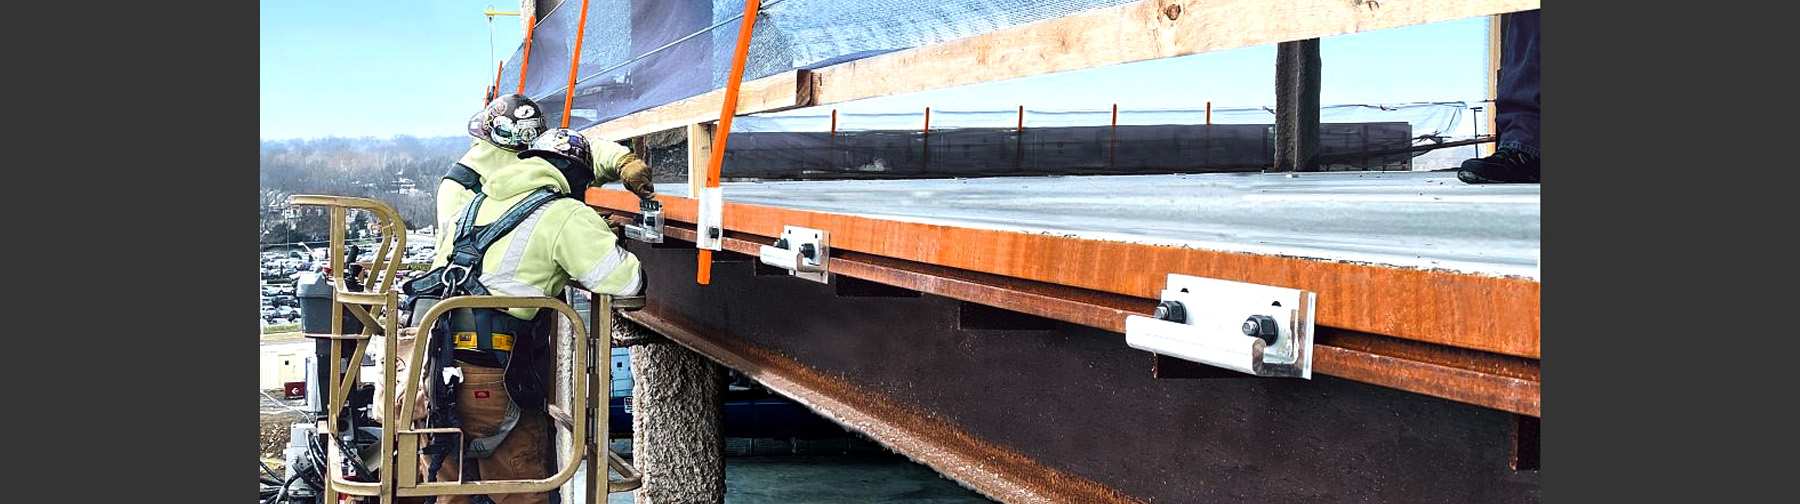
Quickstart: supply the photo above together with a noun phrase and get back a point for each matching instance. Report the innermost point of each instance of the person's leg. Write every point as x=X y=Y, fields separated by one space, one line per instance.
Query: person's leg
x=1515 y=157
x=481 y=404
x=1516 y=106
x=521 y=456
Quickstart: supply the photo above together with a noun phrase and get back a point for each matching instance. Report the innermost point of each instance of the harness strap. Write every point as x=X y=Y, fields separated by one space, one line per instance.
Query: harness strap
x=461 y=275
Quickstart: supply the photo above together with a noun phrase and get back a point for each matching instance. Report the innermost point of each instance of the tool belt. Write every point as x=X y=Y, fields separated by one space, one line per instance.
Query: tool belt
x=489 y=337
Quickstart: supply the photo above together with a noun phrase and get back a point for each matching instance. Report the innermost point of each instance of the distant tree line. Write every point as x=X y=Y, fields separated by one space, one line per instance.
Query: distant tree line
x=402 y=171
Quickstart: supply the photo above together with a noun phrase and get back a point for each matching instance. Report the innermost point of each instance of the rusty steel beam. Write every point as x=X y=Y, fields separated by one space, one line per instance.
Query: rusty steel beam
x=1502 y=382
x=994 y=471
x=1477 y=312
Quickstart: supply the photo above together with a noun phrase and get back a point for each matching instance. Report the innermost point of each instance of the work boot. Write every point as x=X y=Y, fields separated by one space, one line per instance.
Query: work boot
x=1505 y=166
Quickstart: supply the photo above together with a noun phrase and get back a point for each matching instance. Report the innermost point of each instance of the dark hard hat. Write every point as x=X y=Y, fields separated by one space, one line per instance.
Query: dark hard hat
x=569 y=147
x=511 y=121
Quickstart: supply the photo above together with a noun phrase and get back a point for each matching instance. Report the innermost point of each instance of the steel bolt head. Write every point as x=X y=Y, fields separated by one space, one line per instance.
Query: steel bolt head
x=1261 y=326
x=1171 y=311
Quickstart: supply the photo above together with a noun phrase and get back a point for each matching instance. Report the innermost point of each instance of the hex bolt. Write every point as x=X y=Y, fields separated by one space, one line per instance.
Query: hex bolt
x=808 y=251
x=712 y=232
x=1262 y=326
x=1171 y=311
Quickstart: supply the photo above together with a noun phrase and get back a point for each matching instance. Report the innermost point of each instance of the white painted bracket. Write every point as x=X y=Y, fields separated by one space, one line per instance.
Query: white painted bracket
x=649 y=226
x=711 y=228
x=802 y=251
x=1251 y=328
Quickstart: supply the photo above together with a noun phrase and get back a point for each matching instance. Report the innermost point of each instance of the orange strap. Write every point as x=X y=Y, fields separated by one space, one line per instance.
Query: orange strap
x=704 y=274
x=526 y=62
x=574 y=63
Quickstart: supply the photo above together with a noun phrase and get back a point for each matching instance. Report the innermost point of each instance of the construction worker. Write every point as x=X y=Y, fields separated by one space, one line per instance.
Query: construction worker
x=523 y=233
x=505 y=127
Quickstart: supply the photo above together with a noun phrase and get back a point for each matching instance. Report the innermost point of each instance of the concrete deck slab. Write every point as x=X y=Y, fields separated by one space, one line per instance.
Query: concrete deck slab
x=1425 y=220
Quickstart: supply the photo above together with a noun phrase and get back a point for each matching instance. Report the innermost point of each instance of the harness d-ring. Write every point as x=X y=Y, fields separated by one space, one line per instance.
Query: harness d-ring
x=445 y=276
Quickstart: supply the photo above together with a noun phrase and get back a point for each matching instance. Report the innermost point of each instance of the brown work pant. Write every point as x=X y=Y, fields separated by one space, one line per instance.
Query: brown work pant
x=481 y=403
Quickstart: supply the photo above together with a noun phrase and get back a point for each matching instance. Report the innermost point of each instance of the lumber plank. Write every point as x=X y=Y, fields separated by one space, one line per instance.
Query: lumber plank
x=781 y=91
x=1146 y=30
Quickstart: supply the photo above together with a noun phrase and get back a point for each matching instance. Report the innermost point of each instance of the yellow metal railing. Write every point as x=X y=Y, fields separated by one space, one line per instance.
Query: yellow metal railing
x=377 y=308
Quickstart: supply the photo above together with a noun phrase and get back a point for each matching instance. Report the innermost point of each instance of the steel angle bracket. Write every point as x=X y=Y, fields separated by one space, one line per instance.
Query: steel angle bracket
x=802 y=251
x=1251 y=328
x=649 y=225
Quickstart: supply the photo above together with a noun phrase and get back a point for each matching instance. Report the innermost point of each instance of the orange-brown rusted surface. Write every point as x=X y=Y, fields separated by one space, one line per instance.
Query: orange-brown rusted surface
x=1477 y=312
x=997 y=472
x=1490 y=380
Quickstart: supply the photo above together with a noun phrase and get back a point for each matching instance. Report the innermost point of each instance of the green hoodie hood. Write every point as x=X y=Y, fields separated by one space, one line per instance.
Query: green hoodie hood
x=484 y=157
x=523 y=176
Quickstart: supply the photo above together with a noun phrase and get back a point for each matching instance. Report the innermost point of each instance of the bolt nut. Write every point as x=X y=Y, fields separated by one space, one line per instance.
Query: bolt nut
x=1171 y=311
x=808 y=251
x=1262 y=326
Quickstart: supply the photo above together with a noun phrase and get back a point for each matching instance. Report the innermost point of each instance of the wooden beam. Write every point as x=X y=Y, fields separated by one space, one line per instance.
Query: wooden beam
x=700 y=136
x=776 y=92
x=1145 y=30
x=1493 y=82
x=1494 y=314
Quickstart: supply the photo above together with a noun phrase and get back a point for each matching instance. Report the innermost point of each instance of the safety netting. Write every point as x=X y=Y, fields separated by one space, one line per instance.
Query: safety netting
x=638 y=54
x=820 y=143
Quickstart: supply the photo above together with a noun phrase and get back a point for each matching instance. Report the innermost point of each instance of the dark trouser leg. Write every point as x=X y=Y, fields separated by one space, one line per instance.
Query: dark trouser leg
x=1516 y=100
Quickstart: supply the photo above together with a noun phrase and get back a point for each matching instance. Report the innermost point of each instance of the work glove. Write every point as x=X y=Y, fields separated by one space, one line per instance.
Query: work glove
x=635 y=176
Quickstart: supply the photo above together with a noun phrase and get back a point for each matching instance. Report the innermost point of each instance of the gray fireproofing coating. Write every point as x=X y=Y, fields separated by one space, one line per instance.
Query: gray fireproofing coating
x=677 y=437
x=1419 y=220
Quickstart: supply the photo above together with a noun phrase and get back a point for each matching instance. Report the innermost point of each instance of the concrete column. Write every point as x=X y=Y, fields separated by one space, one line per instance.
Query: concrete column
x=1297 y=106
x=677 y=419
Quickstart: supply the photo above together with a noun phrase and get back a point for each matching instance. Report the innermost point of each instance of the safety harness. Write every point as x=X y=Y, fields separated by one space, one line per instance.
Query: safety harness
x=481 y=336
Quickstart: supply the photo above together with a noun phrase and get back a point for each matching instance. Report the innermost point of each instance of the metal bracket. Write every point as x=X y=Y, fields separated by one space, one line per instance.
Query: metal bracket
x=801 y=251
x=649 y=226
x=710 y=231
x=1256 y=329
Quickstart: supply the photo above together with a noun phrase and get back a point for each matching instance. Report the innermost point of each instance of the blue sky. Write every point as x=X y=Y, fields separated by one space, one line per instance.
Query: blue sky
x=362 y=68
x=419 y=67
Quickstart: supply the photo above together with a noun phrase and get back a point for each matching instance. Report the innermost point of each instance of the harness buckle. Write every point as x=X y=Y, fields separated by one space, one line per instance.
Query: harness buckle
x=444 y=277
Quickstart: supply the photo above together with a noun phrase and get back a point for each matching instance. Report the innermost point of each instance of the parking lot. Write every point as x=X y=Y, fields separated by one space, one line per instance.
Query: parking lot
x=282 y=268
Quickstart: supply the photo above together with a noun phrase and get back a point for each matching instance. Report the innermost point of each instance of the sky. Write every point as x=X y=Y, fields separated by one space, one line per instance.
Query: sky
x=419 y=67
x=388 y=67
